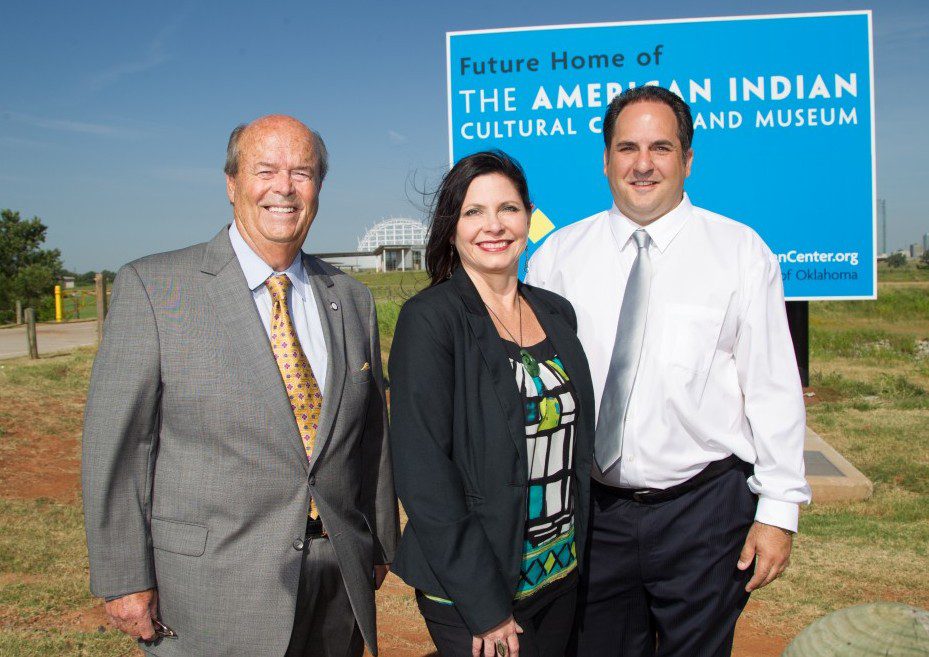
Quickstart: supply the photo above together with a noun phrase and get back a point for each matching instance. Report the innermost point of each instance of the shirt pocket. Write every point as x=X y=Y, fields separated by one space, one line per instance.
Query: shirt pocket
x=690 y=336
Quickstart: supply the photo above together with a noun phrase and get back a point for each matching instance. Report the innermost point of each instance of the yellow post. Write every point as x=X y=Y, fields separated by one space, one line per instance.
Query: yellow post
x=57 y=303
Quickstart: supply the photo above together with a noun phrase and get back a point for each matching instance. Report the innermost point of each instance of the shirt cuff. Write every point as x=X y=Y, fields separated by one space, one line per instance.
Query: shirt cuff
x=110 y=598
x=780 y=514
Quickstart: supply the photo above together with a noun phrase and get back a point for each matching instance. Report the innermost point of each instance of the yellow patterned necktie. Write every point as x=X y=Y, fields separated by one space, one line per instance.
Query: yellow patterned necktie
x=306 y=399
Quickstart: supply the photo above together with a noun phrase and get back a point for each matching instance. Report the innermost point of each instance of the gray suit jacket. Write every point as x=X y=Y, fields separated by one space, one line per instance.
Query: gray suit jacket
x=195 y=479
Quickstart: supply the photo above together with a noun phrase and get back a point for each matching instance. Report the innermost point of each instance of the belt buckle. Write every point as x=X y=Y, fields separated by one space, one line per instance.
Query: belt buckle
x=315 y=529
x=641 y=495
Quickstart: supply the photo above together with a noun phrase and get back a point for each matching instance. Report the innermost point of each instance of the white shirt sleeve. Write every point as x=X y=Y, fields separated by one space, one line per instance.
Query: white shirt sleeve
x=770 y=384
x=540 y=264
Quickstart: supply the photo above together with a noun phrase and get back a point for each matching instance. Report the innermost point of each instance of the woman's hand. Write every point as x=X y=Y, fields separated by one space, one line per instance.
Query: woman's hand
x=485 y=645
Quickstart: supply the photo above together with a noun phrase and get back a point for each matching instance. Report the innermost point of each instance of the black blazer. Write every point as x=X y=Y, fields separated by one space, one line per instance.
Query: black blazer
x=458 y=445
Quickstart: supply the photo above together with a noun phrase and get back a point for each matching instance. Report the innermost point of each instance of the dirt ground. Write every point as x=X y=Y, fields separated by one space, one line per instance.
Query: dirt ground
x=43 y=468
x=406 y=637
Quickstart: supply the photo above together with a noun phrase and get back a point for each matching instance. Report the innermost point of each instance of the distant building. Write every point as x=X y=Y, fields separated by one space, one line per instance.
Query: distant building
x=67 y=282
x=351 y=260
x=394 y=244
x=925 y=242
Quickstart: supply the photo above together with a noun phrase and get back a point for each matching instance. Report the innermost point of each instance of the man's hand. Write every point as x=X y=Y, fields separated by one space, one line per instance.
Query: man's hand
x=485 y=645
x=133 y=613
x=772 y=547
x=380 y=572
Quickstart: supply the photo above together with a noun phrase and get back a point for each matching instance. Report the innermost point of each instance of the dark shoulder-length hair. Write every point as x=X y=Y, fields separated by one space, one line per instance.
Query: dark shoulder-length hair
x=441 y=258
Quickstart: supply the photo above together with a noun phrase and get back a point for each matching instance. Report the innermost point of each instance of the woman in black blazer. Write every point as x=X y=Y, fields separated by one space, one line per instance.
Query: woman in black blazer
x=491 y=429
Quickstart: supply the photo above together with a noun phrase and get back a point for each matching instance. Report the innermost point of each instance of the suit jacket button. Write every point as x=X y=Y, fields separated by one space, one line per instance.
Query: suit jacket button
x=298 y=545
x=312 y=480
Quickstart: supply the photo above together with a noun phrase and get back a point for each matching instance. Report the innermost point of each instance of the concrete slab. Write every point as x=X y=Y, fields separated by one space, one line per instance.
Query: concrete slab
x=51 y=338
x=831 y=476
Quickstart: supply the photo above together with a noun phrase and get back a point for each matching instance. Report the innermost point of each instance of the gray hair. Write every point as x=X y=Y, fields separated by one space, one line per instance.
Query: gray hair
x=232 y=153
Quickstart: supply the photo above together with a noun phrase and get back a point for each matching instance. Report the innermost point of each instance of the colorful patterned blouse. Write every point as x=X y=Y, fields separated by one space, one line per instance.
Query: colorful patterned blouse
x=549 y=552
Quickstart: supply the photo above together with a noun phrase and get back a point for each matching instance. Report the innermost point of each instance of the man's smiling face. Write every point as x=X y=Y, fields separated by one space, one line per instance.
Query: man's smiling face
x=645 y=164
x=275 y=192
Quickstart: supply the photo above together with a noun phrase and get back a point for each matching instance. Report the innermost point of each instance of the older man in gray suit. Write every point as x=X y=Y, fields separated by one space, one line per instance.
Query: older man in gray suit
x=238 y=496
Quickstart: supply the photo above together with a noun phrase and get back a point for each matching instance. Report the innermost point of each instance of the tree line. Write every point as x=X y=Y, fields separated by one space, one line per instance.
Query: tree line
x=29 y=272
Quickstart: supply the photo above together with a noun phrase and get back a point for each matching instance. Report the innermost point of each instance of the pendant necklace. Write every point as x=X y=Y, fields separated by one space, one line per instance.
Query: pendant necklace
x=529 y=361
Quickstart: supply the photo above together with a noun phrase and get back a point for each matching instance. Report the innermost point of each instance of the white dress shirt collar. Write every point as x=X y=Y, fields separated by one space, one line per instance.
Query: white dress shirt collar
x=662 y=231
x=257 y=271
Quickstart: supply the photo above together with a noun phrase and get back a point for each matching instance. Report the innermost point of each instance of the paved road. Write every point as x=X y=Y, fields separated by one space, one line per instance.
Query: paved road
x=51 y=338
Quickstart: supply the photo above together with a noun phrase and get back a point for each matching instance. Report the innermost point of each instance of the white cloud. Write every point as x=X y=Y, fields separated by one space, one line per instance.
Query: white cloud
x=28 y=143
x=396 y=138
x=69 y=125
x=155 y=55
x=900 y=38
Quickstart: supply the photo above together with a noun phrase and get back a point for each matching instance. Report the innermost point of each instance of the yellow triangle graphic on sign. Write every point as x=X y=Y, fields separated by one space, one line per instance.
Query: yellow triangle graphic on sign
x=539 y=226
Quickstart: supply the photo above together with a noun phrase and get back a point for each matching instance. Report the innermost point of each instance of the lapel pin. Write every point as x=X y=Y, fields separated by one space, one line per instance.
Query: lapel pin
x=334 y=305
x=366 y=366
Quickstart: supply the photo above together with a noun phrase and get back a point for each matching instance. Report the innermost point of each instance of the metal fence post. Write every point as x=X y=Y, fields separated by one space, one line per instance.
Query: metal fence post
x=57 y=303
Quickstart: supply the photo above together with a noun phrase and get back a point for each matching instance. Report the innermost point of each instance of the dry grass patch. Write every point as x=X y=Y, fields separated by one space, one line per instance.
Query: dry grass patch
x=46 y=642
x=847 y=556
x=44 y=561
x=872 y=404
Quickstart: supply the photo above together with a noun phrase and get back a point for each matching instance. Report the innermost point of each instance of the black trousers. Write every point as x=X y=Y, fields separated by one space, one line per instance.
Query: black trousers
x=324 y=624
x=662 y=578
x=546 y=626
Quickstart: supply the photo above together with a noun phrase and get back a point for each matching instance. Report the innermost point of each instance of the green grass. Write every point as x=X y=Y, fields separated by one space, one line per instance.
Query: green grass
x=390 y=291
x=79 y=303
x=894 y=303
x=871 y=381
x=895 y=390
x=387 y=313
x=44 y=397
x=911 y=272
x=870 y=343
x=393 y=286
x=40 y=537
x=42 y=643
x=43 y=560
x=69 y=373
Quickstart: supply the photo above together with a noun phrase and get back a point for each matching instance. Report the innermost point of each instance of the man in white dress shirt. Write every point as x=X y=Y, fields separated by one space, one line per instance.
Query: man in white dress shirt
x=700 y=411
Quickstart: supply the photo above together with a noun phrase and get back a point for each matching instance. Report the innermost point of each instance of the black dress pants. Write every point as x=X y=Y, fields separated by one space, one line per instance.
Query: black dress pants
x=324 y=624
x=546 y=623
x=662 y=578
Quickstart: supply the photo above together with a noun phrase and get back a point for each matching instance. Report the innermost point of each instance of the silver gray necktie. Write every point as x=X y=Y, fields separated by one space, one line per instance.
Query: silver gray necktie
x=627 y=348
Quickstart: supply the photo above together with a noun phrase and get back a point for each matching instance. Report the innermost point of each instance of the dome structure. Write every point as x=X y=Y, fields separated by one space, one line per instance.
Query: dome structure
x=394 y=232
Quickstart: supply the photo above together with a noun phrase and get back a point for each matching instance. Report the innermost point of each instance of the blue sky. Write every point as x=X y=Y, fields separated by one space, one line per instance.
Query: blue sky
x=114 y=115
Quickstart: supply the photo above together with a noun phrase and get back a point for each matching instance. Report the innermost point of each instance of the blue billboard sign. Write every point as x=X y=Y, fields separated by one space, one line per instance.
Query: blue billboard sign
x=783 y=112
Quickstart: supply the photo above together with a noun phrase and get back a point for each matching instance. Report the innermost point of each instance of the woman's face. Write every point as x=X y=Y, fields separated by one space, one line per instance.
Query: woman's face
x=493 y=226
